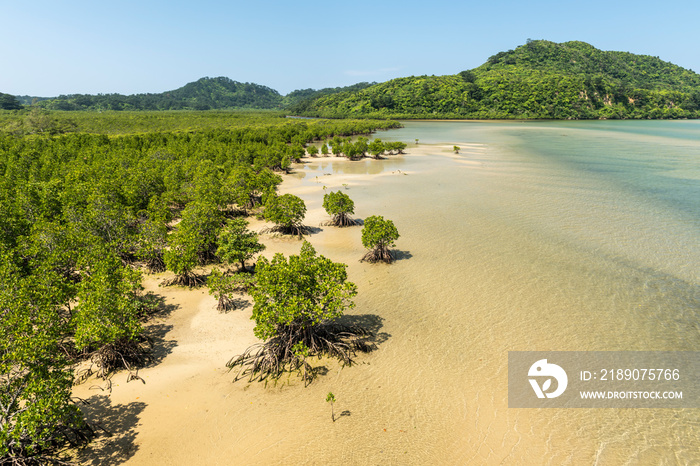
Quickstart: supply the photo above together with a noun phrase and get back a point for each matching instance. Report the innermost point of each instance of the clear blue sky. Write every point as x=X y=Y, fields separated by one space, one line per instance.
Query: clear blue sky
x=51 y=47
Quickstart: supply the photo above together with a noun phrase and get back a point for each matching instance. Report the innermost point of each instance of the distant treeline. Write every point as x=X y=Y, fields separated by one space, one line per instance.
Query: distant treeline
x=204 y=94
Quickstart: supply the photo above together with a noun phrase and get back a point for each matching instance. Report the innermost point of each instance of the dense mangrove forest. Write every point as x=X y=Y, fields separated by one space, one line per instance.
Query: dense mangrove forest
x=91 y=202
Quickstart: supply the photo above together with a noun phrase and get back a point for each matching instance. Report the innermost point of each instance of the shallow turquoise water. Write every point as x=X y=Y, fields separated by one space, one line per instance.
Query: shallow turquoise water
x=536 y=236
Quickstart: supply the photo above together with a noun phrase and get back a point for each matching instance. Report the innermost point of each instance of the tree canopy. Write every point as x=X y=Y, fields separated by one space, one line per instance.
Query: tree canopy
x=38 y=418
x=83 y=210
x=339 y=206
x=9 y=102
x=194 y=242
x=378 y=235
x=299 y=292
x=286 y=212
x=225 y=285
x=237 y=243
x=107 y=317
x=297 y=303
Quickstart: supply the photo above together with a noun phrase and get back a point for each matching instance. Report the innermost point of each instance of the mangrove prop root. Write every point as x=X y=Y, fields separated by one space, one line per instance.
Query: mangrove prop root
x=292 y=230
x=226 y=303
x=190 y=280
x=122 y=354
x=379 y=254
x=155 y=265
x=276 y=356
x=22 y=451
x=342 y=220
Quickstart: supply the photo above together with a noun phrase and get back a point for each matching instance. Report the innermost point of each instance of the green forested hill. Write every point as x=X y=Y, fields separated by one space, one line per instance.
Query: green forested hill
x=9 y=102
x=642 y=71
x=208 y=93
x=541 y=79
x=204 y=94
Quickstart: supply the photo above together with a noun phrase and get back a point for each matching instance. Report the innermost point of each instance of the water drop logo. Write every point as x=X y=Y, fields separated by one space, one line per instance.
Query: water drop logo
x=546 y=372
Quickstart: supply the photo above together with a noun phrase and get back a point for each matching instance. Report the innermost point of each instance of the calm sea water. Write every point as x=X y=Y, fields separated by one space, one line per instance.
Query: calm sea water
x=536 y=236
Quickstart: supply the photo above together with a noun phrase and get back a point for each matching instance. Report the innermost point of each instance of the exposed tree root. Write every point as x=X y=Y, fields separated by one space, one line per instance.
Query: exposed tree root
x=122 y=354
x=156 y=265
x=17 y=456
x=226 y=303
x=208 y=255
x=234 y=211
x=379 y=254
x=276 y=356
x=293 y=230
x=191 y=280
x=341 y=220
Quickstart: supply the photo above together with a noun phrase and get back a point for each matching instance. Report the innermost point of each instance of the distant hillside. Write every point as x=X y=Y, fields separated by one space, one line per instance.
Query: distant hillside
x=297 y=101
x=541 y=79
x=9 y=102
x=204 y=94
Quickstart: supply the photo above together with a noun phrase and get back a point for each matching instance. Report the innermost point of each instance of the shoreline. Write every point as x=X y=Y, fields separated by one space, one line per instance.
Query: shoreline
x=488 y=265
x=194 y=341
x=479 y=272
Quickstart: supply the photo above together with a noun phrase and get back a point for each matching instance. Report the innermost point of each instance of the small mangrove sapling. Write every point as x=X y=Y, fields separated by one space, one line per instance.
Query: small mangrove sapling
x=330 y=398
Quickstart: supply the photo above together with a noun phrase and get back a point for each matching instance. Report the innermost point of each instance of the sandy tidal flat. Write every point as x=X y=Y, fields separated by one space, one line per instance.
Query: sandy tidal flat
x=189 y=411
x=563 y=236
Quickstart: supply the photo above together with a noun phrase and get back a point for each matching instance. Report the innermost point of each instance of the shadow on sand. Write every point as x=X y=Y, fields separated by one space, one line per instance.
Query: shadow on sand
x=157 y=332
x=401 y=255
x=161 y=347
x=313 y=230
x=370 y=322
x=115 y=426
